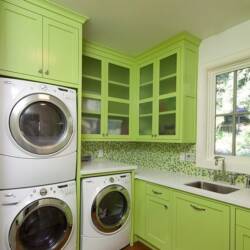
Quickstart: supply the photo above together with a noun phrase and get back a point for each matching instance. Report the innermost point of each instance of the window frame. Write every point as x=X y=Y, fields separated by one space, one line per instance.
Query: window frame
x=205 y=147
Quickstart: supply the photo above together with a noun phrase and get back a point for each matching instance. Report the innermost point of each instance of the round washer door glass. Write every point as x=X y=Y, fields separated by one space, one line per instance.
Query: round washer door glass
x=110 y=209
x=43 y=225
x=41 y=124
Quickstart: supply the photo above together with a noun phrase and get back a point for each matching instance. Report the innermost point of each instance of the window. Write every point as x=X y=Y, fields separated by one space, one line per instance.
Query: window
x=232 y=113
x=223 y=115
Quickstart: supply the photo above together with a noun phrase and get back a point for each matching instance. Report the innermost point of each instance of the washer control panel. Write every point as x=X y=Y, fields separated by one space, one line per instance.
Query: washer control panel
x=116 y=179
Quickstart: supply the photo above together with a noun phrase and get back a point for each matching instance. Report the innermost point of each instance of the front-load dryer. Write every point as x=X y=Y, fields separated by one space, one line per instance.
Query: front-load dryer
x=42 y=217
x=38 y=133
x=106 y=212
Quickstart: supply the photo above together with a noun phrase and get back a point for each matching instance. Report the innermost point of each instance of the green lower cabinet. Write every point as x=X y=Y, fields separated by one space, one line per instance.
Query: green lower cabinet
x=242 y=229
x=158 y=224
x=200 y=224
x=242 y=238
x=171 y=220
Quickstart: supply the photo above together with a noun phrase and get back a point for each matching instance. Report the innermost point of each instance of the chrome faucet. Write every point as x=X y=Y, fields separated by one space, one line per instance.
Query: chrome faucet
x=220 y=162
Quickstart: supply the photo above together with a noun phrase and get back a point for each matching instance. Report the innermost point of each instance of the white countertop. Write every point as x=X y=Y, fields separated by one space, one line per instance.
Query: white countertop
x=104 y=166
x=177 y=181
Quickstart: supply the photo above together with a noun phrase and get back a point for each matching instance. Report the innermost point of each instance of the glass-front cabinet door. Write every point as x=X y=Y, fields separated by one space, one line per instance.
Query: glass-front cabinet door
x=118 y=101
x=158 y=98
x=92 y=97
x=146 y=101
x=166 y=96
x=106 y=99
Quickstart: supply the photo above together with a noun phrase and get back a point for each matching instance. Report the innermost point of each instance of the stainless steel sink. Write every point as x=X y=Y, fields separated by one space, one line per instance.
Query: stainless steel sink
x=212 y=187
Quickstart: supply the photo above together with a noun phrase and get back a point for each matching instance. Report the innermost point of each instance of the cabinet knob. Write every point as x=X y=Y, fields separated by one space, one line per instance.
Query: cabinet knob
x=165 y=206
x=47 y=72
x=40 y=71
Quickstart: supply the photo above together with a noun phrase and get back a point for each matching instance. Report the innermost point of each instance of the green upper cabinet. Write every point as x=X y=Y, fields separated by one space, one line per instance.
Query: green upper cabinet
x=40 y=42
x=148 y=98
x=106 y=91
x=61 y=52
x=20 y=52
x=167 y=91
x=200 y=224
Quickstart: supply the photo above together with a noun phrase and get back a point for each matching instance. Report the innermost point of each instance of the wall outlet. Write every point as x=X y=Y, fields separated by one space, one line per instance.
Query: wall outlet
x=100 y=153
x=190 y=157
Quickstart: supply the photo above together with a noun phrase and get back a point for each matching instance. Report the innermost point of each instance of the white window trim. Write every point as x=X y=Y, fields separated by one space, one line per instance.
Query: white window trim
x=206 y=118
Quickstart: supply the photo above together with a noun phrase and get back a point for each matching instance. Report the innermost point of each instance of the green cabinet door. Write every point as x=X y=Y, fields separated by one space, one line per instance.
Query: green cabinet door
x=21 y=40
x=242 y=238
x=158 y=232
x=140 y=208
x=167 y=94
x=242 y=229
x=118 y=101
x=146 y=101
x=61 y=52
x=92 y=102
x=200 y=224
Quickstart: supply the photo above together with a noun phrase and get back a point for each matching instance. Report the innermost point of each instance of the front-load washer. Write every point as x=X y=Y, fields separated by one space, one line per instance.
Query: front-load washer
x=105 y=211
x=41 y=218
x=38 y=133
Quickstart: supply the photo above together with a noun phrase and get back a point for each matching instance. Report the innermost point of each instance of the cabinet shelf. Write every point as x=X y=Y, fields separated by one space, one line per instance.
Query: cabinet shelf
x=92 y=96
x=119 y=84
x=150 y=99
x=117 y=115
x=167 y=112
x=114 y=99
x=146 y=115
x=146 y=83
x=166 y=96
x=91 y=77
x=90 y=113
x=168 y=77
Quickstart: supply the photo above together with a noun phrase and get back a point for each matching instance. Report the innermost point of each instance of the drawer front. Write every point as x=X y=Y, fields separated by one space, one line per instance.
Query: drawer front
x=243 y=218
x=158 y=191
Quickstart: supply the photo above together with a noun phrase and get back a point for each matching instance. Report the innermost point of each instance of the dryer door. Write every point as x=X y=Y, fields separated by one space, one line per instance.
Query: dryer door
x=45 y=224
x=41 y=124
x=110 y=209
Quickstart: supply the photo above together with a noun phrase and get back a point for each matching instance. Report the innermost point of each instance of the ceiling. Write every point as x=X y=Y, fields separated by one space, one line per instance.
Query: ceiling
x=132 y=26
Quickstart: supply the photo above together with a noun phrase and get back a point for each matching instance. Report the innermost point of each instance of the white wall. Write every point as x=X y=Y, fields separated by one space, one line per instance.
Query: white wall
x=227 y=47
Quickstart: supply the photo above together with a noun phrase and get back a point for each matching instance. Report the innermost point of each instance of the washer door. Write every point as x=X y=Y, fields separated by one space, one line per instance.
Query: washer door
x=45 y=224
x=111 y=208
x=41 y=124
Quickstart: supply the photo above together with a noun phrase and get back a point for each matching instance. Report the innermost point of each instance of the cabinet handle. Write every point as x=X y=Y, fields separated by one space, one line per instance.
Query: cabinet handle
x=47 y=72
x=40 y=71
x=165 y=206
x=198 y=208
x=156 y=192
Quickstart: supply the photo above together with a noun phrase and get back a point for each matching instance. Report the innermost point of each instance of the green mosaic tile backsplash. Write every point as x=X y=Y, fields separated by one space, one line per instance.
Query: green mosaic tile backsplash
x=153 y=155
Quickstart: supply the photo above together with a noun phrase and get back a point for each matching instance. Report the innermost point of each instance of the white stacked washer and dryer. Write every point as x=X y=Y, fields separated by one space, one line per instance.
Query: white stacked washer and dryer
x=37 y=166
